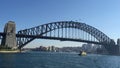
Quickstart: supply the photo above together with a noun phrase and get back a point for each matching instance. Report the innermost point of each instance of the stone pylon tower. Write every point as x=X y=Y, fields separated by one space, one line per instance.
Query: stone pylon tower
x=118 y=43
x=9 y=40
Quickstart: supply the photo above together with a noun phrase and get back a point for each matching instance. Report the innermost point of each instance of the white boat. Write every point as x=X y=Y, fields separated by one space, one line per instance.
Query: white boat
x=82 y=53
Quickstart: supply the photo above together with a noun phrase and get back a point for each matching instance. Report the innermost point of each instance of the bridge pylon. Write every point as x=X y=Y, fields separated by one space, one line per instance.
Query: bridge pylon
x=9 y=40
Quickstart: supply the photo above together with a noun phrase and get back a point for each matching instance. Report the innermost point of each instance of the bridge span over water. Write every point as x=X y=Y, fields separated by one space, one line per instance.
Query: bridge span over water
x=61 y=30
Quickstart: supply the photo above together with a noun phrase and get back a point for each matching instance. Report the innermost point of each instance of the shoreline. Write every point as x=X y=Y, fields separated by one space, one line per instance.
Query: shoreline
x=5 y=51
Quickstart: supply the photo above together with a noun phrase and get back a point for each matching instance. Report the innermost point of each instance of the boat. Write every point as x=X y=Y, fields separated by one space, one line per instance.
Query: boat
x=82 y=53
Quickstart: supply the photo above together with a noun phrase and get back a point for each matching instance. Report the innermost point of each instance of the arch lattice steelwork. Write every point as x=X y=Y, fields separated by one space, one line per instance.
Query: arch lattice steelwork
x=46 y=28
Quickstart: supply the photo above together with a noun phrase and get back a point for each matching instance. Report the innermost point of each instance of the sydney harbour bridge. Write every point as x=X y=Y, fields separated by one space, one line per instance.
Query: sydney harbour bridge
x=61 y=30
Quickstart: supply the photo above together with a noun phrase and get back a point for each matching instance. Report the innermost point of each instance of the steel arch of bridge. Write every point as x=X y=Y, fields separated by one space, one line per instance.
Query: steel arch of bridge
x=45 y=28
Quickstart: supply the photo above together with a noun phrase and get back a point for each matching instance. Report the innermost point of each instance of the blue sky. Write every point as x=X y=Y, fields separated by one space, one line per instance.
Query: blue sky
x=102 y=14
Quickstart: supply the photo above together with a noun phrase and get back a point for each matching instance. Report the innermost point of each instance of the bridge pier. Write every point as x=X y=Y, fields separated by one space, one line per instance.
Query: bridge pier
x=113 y=49
x=9 y=40
x=118 y=44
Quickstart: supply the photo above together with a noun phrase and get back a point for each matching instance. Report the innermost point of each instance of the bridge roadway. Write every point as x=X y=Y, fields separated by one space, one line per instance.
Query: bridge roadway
x=56 y=38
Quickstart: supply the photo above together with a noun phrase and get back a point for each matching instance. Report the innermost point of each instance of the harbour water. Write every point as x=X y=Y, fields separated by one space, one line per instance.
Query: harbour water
x=57 y=60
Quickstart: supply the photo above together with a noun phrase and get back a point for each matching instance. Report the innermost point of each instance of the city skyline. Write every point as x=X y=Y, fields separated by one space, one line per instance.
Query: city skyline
x=103 y=14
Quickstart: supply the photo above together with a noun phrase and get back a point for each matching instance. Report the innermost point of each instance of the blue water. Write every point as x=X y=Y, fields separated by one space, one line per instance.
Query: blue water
x=57 y=60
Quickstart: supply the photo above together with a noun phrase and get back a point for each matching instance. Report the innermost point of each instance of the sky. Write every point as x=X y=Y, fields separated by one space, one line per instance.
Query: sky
x=101 y=14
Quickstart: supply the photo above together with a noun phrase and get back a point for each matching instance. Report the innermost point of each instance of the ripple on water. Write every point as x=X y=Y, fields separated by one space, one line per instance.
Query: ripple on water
x=57 y=60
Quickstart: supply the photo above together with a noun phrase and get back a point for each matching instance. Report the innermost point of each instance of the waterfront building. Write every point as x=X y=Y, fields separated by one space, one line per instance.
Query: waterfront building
x=87 y=47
